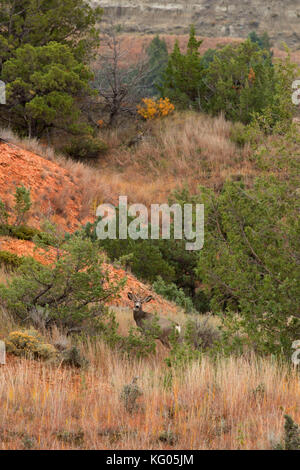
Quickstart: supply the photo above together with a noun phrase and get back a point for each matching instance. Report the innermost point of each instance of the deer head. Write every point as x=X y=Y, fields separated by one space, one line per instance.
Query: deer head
x=138 y=301
x=146 y=321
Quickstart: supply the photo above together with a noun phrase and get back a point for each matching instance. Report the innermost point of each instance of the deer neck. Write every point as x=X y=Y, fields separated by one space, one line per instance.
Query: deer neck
x=138 y=315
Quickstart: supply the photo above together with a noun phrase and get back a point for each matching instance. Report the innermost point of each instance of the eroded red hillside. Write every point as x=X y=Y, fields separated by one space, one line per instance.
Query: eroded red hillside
x=55 y=193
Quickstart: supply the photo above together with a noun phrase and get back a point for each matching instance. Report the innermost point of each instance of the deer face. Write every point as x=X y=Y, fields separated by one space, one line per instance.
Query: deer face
x=138 y=301
x=137 y=305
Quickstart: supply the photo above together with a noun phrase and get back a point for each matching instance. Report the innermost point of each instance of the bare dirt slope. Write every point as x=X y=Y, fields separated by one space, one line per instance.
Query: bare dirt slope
x=54 y=191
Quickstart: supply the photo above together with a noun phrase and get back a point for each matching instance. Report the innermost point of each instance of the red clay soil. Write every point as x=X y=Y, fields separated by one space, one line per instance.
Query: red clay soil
x=54 y=192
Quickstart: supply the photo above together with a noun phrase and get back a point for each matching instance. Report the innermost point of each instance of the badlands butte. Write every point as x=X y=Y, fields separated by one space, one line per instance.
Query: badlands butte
x=212 y=18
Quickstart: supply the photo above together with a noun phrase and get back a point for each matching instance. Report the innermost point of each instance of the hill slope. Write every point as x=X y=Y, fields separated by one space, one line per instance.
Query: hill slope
x=55 y=194
x=230 y=18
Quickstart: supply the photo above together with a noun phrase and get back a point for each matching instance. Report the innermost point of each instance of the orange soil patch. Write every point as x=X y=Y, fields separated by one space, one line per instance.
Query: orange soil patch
x=54 y=191
x=28 y=248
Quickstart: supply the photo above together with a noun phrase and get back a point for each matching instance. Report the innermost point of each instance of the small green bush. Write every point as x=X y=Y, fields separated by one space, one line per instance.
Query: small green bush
x=10 y=260
x=22 y=204
x=74 y=358
x=129 y=395
x=168 y=437
x=23 y=232
x=239 y=134
x=3 y=213
x=291 y=440
x=201 y=334
x=181 y=354
x=5 y=229
x=85 y=147
x=71 y=437
x=29 y=343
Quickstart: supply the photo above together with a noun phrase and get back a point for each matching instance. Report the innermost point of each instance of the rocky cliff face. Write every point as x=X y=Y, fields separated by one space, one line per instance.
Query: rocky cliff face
x=232 y=18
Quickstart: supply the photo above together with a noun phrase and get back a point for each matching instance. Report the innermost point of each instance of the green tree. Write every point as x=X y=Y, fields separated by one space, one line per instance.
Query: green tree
x=38 y=22
x=208 y=57
x=250 y=262
x=22 y=203
x=157 y=62
x=42 y=86
x=239 y=81
x=70 y=293
x=33 y=31
x=263 y=41
x=182 y=80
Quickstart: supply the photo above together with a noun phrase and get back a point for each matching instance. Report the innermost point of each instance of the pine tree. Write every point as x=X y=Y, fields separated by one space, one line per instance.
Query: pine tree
x=182 y=80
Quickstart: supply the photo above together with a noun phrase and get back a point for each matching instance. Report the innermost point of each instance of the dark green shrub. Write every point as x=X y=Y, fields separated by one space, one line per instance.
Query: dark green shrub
x=73 y=357
x=147 y=263
x=182 y=80
x=24 y=232
x=291 y=440
x=143 y=257
x=85 y=147
x=173 y=293
x=71 y=437
x=201 y=334
x=10 y=260
x=239 y=134
x=3 y=213
x=5 y=229
x=239 y=82
x=157 y=53
x=129 y=396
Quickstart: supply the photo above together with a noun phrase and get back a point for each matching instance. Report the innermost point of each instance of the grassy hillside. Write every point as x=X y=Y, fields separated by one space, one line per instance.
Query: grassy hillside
x=234 y=403
x=222 y=403
x=212 y=360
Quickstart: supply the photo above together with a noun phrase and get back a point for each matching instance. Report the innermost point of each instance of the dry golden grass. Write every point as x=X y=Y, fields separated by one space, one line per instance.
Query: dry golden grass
x=184 y=149
x=236 y=403
x=233 y=403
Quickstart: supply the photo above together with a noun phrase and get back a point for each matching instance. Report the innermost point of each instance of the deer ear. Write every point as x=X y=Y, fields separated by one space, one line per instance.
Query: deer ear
x=130 y=296
x=148 y=298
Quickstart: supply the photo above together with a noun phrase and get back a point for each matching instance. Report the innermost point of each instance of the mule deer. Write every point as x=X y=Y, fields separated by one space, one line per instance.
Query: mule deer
x=147 y=321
